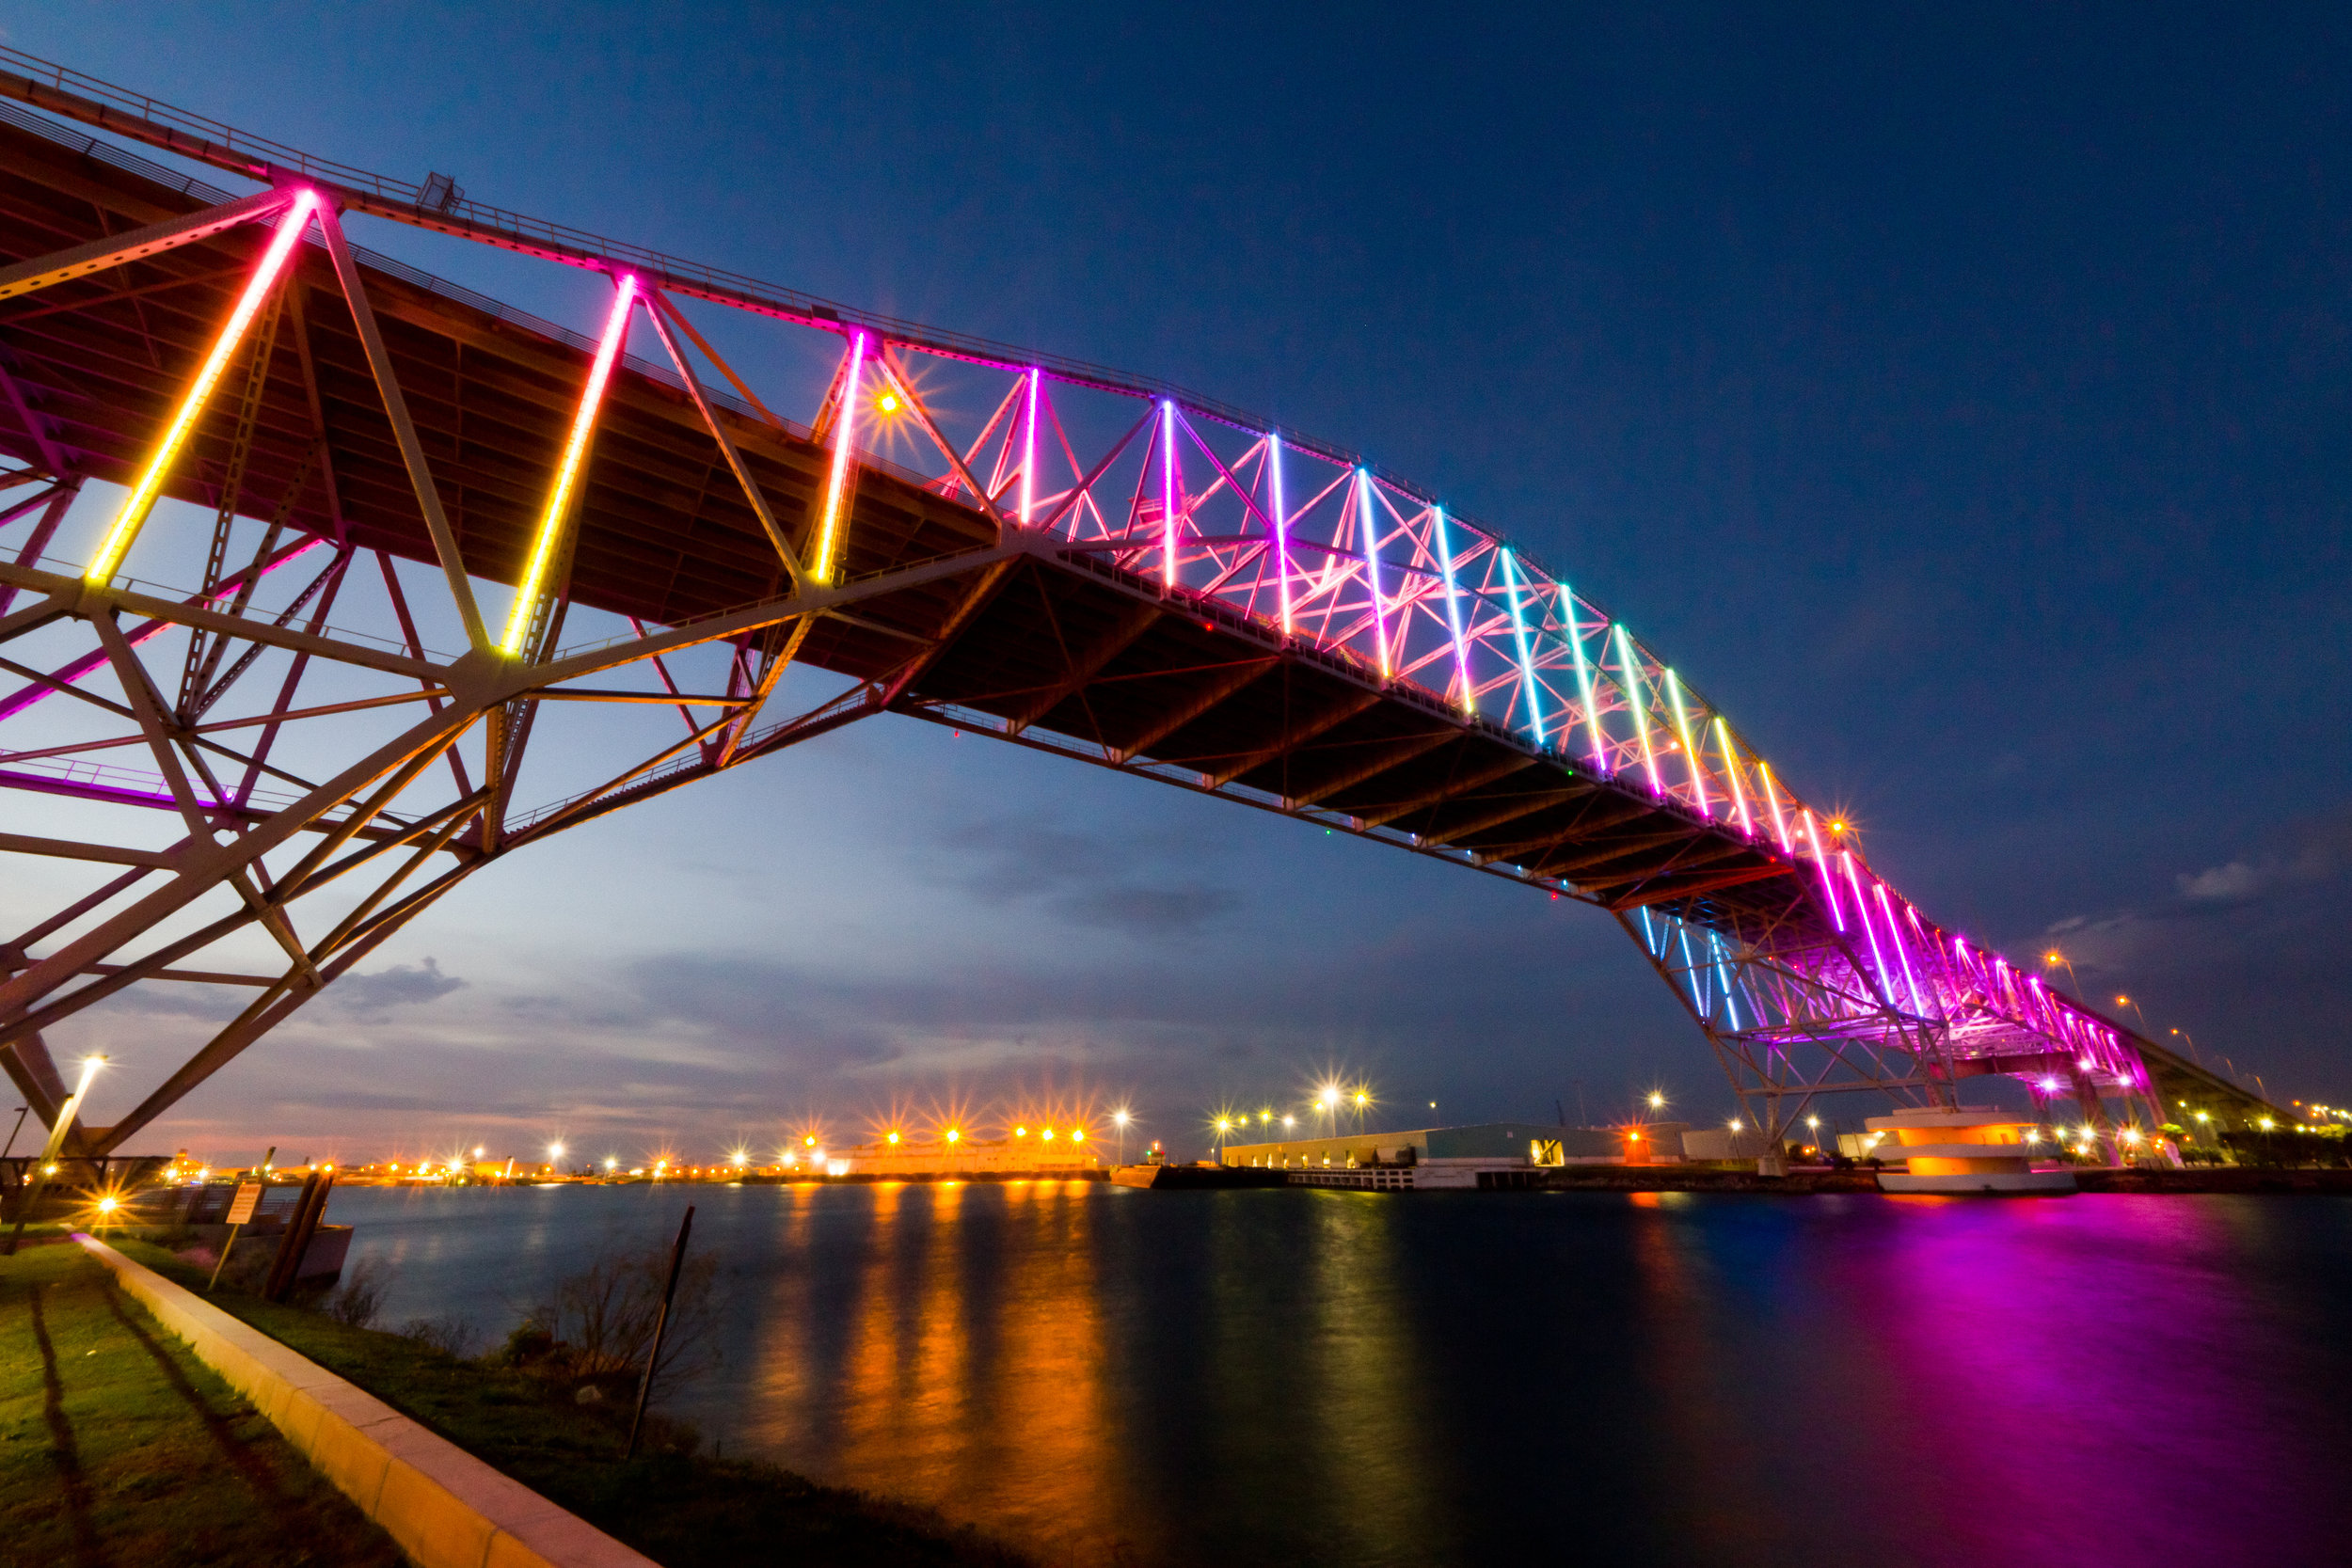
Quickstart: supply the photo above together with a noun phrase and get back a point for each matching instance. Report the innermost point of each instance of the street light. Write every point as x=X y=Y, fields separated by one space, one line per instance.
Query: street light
x=2055 y=960
x=1657 y=1101
x=1119 y=1116
x=2123 y=1001
x=58 y=1129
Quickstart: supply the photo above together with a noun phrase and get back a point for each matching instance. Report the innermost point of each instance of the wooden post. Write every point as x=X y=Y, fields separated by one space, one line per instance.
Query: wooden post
x=660 y=1325
x=289 y=1260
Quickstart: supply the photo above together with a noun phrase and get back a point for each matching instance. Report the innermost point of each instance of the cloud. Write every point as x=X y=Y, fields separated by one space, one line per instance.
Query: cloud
x=395 y=987
x=2223 y=883
x=1089 y=879
x=2316 y=849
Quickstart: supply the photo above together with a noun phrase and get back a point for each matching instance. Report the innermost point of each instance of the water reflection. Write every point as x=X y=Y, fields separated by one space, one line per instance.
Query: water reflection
x=1305 y=1377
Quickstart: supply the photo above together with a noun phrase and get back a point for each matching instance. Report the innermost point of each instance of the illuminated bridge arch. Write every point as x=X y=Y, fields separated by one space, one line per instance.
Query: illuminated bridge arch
x=272 y=768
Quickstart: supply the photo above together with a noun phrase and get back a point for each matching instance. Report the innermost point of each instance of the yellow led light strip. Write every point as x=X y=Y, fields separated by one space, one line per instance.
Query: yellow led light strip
x=150 y=488
x=844 y=453
x=567 y=472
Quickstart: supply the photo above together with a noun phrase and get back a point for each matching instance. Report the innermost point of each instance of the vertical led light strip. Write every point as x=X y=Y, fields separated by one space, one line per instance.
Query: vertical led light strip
x=1028 y=446
x=1862 y=908
x=1771 y=798
x=1372 y=568
x=1723 y=976
x=150 y=488
x=1690 y=971
x=1639 y=702
x=844 y=453
x=1281 y=527
x=1167 y=494
x=1453 y=609
x=1821 y=864
x=1902 y=954
x=567 y=472
x=1519 y=630
x=1584 y=684
x=1731 y=767
x=1691 y=762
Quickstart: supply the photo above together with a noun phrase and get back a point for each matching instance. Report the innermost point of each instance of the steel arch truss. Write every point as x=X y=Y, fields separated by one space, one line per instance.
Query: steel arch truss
x=311 y=776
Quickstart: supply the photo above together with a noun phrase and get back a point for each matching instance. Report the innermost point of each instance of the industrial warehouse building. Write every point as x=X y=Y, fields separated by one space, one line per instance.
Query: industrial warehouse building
x=1488 y=1155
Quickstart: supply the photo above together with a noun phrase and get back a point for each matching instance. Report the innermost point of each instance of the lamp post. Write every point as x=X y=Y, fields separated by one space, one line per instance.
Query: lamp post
x=2055 y=960
x=1120 y=1118
x=2123 y=1001
x=64 y=1124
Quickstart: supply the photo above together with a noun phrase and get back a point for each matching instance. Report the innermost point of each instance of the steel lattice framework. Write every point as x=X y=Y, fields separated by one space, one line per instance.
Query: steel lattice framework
x=275 y=771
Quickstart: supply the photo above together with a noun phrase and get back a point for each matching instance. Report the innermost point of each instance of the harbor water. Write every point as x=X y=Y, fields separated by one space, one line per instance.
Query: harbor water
x=1293 y=1376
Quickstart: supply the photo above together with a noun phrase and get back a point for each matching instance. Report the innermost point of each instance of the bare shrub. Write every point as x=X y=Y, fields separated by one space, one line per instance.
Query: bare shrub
x=449 y=1334
x=602 y=1318
x=359 y=1297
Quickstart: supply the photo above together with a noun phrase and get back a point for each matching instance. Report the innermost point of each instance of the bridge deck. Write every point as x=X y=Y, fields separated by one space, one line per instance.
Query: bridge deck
x=1060 y=646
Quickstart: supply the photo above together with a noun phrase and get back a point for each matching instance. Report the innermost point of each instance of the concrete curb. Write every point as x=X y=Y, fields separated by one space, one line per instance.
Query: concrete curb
x=445 y=1508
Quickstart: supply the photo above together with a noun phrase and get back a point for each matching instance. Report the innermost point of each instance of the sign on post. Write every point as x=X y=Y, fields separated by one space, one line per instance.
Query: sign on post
x=248 y=1199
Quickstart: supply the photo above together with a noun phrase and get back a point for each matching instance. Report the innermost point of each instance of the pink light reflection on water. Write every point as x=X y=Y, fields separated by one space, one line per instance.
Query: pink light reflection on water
x=2086 y=1380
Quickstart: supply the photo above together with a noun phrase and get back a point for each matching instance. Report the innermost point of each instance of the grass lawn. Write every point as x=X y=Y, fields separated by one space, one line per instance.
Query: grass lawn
x=682 y=1510
x=117 y=1447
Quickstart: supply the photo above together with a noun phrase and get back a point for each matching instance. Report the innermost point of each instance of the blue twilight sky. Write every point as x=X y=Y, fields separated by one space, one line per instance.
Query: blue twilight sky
x=1960 y=398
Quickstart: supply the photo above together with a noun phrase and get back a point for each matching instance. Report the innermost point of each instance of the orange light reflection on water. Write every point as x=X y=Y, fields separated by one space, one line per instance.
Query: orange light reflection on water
x=981 y=1397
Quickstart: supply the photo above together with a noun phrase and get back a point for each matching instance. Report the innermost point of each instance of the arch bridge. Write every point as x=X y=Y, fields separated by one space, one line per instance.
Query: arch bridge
x=441 y=581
